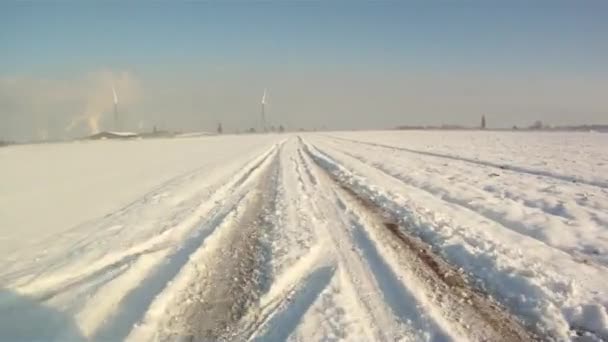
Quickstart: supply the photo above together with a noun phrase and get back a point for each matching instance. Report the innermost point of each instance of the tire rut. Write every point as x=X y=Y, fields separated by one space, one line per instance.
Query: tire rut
x=487 y=213
x=239 y=272
x=482 y=318
x=514 y=168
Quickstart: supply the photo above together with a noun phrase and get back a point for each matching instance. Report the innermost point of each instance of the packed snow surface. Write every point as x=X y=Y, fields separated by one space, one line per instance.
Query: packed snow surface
x=394 y=235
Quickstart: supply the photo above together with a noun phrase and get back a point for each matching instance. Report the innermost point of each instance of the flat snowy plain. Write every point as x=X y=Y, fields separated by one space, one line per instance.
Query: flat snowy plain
x=397 y=235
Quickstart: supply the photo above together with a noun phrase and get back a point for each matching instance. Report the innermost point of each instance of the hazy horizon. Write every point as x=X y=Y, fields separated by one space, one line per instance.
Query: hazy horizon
x=337 y=65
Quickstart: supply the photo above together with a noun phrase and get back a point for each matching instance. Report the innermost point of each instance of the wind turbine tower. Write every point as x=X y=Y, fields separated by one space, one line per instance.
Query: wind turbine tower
x=116 y=128
x=263 y=114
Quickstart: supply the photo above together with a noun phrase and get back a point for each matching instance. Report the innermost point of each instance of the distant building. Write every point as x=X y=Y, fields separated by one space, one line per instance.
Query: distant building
x=112 y=135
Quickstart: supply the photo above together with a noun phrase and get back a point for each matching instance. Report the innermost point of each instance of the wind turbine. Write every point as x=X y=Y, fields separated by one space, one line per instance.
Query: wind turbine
x=116 y=128
x=263 y=123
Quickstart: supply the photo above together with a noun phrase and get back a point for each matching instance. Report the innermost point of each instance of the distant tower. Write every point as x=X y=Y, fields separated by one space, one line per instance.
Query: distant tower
x=483 y=122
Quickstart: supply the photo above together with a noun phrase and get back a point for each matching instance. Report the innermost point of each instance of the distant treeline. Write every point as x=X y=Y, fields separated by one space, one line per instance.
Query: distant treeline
x=585 y=128
x=534 y=127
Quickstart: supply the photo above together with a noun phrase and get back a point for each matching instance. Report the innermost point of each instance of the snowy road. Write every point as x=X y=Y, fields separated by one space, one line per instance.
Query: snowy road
x=345 y=236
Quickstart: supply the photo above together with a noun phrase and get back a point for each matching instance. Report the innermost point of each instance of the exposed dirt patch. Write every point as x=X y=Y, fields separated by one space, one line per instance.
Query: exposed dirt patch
x=477 y=313
x=232 y=278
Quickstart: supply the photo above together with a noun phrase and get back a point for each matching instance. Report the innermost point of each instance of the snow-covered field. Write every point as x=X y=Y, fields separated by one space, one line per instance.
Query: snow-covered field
x=412 y=235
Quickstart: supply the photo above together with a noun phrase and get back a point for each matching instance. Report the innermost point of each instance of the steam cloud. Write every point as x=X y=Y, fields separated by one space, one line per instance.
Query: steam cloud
x=98 y=102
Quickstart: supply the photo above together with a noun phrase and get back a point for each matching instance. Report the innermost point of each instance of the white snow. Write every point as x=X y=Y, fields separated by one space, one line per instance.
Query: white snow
x=50 y=188
x=110 y=240
x=531 y=238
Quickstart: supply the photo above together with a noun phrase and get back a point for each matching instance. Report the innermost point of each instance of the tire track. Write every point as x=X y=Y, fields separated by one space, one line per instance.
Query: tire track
x=581 y=256
x=239 y=273
x=382 y=295
x=546 y=209
x=102 y=229
x=298 y=288
x=285 y=319
x=519 y=169
x=446 y=288
x=134 y=304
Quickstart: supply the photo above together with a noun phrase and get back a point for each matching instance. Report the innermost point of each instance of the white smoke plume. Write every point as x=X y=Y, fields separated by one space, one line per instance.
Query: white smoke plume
x=98 y=99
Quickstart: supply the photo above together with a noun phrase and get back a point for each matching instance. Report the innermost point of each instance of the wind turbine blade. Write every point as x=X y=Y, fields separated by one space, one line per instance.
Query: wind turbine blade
x=115 y=96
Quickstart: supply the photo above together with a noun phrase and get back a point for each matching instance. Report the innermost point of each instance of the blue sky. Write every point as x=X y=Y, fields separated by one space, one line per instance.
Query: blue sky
x=291 y=47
